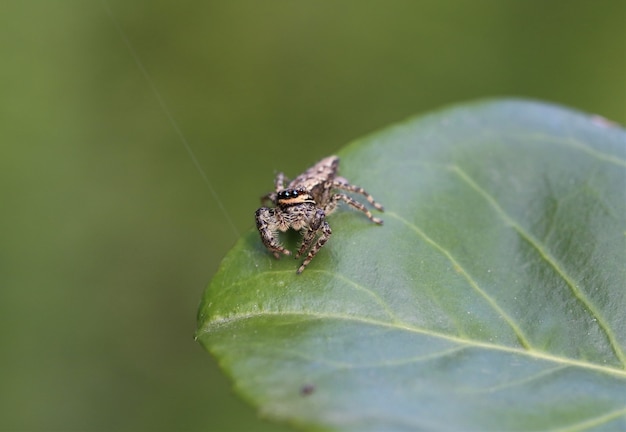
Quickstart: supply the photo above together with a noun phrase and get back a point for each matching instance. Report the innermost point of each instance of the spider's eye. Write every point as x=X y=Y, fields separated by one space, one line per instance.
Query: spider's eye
x=294 y=193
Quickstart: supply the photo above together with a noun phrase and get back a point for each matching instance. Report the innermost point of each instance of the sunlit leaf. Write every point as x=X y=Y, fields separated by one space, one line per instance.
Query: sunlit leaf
x=493 y=297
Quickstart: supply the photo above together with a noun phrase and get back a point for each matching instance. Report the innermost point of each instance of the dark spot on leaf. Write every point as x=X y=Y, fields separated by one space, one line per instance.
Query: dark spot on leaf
x=307 y=389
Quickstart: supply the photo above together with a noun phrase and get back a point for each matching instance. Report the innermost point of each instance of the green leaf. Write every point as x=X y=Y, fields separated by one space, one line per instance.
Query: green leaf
x=493 y=297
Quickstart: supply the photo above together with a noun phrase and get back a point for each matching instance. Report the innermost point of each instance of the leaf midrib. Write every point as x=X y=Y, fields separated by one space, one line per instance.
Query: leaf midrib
x=218 y=323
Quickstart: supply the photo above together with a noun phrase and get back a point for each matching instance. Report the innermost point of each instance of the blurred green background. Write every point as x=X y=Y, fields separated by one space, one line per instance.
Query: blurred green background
x=109 y=234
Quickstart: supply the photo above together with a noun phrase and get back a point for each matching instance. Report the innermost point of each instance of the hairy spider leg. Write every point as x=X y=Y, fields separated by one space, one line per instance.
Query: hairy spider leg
x=279 y=182
x=268 y=231
x=279 y=185
x=318 y=223
x=341 y=183
x=330 y=207
x=271 y=197
x=309 y=235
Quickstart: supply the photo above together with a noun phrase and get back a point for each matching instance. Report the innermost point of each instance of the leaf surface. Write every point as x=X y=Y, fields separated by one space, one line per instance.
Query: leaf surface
x=493 y=297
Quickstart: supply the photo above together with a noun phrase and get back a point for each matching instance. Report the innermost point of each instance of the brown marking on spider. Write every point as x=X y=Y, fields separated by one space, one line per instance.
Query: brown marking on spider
x=303 y=206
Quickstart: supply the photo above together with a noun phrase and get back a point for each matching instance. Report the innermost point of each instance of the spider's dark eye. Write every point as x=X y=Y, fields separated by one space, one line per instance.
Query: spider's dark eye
x=289 y=193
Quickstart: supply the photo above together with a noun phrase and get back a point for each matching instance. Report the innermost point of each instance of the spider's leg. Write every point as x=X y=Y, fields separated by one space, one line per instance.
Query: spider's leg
x=353 y=203
x=342 y=183
x=279 y=182
x=279 y=185
x=307 y=240
x=267 y=226
x=318 y=224
x=271 y=197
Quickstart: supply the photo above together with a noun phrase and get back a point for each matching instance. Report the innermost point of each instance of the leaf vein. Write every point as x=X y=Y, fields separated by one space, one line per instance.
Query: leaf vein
x=552 y=261
x=338 y=276
x=410 y=360
x=521 y=337
x=575 y=144
x=360 y=287
x=218 y=322
x=594 y=422
x=520 y=382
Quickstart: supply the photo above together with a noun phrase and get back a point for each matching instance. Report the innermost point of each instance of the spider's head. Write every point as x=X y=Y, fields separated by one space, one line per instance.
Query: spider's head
x=292 y=197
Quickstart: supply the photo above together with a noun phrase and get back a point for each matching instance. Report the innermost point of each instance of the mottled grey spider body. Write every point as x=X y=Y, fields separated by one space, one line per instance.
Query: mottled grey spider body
x=304 y=204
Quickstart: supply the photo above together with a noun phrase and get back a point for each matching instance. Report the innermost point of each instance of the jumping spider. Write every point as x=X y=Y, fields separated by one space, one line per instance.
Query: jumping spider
x=304 y=205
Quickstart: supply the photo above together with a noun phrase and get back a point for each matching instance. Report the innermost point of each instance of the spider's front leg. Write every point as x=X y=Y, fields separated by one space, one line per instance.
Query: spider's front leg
x=279 y=185
x=270 y=197
x=317 y=224
x=279 y=182
x=267 y=225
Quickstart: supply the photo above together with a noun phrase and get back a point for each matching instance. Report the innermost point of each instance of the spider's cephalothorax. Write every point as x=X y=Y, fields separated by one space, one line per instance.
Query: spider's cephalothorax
x=304 y=205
